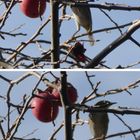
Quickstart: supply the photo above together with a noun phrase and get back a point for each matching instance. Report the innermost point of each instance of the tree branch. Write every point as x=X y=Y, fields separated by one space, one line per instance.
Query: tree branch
x=99 y=57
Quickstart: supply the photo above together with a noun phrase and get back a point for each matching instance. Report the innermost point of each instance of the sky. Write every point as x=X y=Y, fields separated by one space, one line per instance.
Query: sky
x=127 y=53
x=109 y=80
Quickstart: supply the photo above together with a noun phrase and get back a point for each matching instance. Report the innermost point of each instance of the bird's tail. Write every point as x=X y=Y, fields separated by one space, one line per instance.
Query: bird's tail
x=91 y=39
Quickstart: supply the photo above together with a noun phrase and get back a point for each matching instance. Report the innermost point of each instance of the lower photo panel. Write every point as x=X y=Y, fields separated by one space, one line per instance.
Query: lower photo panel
x=69 y=105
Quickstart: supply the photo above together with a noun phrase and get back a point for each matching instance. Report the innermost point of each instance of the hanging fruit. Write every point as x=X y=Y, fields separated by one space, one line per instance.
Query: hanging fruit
x=71 y=93
x=44 y=107
x=33 y=8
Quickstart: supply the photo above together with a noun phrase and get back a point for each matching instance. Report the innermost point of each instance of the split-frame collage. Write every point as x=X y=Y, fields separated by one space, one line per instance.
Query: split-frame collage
x=69 y=70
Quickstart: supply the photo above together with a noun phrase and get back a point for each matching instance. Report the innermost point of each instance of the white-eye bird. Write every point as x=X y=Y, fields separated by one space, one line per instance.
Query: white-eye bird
x=83 y=18
x=98 y=121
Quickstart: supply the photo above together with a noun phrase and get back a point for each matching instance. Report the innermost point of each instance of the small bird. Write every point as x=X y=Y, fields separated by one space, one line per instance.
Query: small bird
x=82 y=15
x=98 y=121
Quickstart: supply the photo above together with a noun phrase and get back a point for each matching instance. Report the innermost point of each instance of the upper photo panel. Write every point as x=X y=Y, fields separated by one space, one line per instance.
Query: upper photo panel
x=73 y=34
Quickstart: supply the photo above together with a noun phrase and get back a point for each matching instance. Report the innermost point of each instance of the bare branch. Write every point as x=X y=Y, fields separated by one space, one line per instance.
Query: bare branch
x=116 y=43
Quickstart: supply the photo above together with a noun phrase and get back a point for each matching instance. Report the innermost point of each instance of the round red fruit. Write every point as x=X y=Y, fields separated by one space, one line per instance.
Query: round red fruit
x=33 y=8
x=44 y=107
x=71 y=94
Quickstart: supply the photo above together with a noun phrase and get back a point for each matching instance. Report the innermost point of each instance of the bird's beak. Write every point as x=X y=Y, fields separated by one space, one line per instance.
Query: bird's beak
x=113 y=103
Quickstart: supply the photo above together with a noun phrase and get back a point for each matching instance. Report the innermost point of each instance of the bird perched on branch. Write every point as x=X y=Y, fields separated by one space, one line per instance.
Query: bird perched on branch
x=98 y=121
x=82 y=15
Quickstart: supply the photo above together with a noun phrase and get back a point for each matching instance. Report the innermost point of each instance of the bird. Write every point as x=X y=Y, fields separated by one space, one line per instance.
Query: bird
x=82 y=16
x=98 y=121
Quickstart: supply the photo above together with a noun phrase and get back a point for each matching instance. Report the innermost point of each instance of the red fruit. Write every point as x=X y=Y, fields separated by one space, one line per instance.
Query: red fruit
x=33 y=8
x=81 y=57
x=78 y=51
x=71 y=94
x=44 y=107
